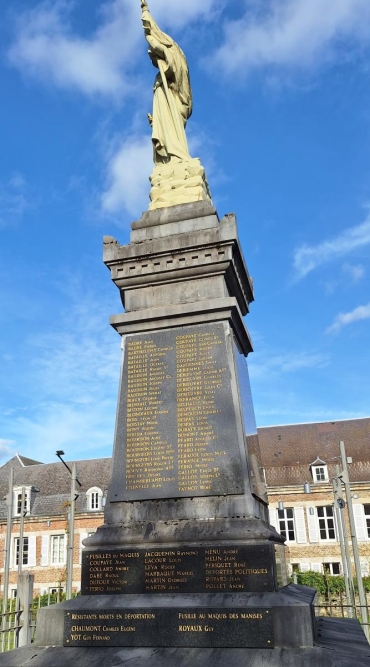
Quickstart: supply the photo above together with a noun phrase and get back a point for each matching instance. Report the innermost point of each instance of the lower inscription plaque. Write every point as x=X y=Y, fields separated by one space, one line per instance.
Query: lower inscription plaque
x=213 y=628
x=182 y=570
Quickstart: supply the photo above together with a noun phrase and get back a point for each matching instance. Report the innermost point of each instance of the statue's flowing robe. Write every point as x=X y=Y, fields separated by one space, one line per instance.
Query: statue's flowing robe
x=169 y=115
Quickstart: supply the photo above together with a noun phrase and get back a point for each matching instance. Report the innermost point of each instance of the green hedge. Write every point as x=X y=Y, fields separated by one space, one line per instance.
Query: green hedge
x=312 y=579
x=324 y=583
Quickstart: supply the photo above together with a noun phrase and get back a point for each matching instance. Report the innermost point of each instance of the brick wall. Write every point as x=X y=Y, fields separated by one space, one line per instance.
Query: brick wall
x=41 y=531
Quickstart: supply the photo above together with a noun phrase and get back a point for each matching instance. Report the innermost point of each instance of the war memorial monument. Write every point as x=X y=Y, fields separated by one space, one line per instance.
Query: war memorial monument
x=184 y=570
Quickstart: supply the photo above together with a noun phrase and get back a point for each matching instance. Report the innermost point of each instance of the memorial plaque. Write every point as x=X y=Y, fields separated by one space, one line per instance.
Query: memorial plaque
x=181 y=570
x=177 y=430
x=166 y=627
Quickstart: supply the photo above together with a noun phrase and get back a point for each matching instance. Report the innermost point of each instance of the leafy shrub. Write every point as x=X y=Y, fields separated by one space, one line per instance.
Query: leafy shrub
x=366 y=583
x=328 y=583
x=312 y=579
x=335 y=584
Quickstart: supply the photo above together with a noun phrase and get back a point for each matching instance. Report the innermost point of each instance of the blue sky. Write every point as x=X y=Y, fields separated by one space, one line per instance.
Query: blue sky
x=282 y=123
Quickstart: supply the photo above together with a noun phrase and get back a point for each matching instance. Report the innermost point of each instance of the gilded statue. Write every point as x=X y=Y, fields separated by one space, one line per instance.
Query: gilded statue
x=177 y=177
x=172 y=99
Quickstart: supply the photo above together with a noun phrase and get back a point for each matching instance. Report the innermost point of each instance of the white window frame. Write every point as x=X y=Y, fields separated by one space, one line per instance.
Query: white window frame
x=367 y=520
x=16 y=550
x=52 y=538
x=320 y=470
x=94 y=499
x=326 y=519
x=329 y=566
x=285 y=520
x=17 y=499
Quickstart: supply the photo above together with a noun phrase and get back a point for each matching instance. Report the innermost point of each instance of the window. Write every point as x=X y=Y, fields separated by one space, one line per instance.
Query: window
x=320 y=473
x=332 y=568
x=286 y=524
x=25 y=551
x=17 y=501
x=326 y=522
x=94 y=499
x=58 y=549
x=367 y=518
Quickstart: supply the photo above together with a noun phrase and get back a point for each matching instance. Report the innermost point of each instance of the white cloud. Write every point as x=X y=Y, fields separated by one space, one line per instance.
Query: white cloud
x=6 y=448
x=46 y=46
x=355 y=271
x=286 y=363
x=13 y=200
x=299 y=415
x=127 y=177
x=182 y=12
x=292 y=35
x=130 y=163
x=344 y=319
x=4 y=443
x=307 y=258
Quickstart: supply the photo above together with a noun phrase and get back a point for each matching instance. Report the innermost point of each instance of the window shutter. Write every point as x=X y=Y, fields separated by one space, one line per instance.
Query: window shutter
x=300 y=525
x=13 y=552
x=316 y=567
x=312 y=525
x=273 y=518
x=83 y=536
x=304 y=567
x=32 y=550
x=45 y=550
x=361 y=533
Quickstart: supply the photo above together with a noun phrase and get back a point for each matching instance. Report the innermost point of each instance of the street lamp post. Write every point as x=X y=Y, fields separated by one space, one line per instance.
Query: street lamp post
x=21 y=533
x=71 y=523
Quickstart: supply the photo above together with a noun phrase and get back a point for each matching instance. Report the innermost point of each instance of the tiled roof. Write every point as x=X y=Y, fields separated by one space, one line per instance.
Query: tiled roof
x=28 y=462
x=288 y=451
x=53 y=483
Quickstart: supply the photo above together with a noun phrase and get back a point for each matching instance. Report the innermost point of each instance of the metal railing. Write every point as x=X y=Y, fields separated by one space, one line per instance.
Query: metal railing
x=10 y=626
x=337 y=606
x=18 y=628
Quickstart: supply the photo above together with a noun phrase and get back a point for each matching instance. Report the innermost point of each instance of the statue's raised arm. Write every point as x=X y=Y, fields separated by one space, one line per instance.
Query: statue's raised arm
x=172 y=103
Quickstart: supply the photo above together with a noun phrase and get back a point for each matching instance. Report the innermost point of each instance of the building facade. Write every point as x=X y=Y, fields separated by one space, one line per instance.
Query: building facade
x=46 y=506
x=295 y=454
